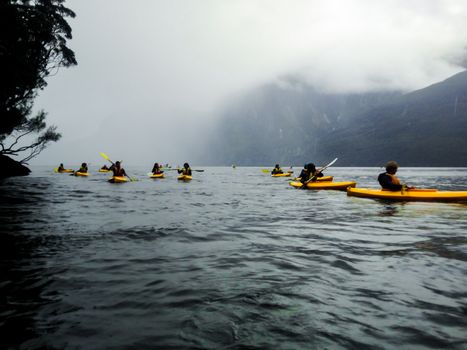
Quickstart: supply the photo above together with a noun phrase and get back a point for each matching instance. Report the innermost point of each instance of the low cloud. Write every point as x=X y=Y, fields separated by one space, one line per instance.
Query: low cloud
x=150 y=71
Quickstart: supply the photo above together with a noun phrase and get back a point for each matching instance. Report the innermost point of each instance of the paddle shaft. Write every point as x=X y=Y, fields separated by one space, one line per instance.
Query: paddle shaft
x=198 y=170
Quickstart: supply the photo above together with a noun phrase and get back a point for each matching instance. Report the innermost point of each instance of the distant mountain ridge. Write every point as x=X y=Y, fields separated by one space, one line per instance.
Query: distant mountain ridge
x=290 y=122
x=427 y=127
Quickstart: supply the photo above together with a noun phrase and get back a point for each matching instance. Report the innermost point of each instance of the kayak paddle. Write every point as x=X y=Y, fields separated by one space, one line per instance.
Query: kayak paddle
x=105 y=156
x=198 y=170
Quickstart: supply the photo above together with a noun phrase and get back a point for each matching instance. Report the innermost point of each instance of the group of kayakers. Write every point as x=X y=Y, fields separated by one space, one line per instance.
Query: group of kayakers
x=83 y=169
x=117 y=170
x=388 y=180
x=186 y=170
x=308 y=172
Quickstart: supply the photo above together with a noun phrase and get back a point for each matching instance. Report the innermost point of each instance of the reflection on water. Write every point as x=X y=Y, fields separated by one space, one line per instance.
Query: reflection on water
x=390 y=209
x=234 y=259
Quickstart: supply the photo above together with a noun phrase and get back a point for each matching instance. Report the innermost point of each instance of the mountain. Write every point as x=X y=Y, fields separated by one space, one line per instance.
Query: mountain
x=283 y=122
x=290 y=122
x=427 y=127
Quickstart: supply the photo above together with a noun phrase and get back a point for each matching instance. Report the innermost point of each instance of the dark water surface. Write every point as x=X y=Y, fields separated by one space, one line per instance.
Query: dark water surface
x=234 y=259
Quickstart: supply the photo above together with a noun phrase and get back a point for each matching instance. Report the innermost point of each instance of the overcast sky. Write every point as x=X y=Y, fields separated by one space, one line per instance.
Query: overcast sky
x=151 y=71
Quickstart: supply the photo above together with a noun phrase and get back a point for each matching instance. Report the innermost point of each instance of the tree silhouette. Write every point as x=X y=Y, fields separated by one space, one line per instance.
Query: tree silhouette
x=33 y=38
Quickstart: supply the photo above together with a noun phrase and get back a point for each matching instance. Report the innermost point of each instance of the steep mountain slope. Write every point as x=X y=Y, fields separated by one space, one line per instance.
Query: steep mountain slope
x=290 y=122
x=427 y=127
x=283 y=122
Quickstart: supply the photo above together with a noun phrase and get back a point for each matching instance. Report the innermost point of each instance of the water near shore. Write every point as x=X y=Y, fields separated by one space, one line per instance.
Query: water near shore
x=234 y=259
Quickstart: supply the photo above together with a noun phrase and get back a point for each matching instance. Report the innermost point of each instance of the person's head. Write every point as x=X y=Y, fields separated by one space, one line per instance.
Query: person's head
x=186 y=165
x=156 y=165
x=61 y=164
x=83 y=165
x=391 y=167
x=117 y=163
x=311 y=167
x=277 y=165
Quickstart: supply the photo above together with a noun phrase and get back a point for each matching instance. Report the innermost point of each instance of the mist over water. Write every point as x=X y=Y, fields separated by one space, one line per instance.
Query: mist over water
x=153 y=75
x=233 y=259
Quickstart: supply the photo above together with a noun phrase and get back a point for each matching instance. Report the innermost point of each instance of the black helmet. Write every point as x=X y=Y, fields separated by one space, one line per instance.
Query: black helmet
x=186 y=165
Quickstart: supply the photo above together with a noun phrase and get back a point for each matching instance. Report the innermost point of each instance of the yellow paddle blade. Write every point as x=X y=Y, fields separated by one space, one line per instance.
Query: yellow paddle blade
x=56 y=170
x=105 y=156
x=265 y=170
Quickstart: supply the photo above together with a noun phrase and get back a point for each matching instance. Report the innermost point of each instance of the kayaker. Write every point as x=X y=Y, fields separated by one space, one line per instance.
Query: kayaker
x=308 y=172
x=104 y=167
x=117 y=169
x=186 y=170
x=389 y=180
x=277 y=170
x=61 y=168
x=83 y=169
x=156 y=169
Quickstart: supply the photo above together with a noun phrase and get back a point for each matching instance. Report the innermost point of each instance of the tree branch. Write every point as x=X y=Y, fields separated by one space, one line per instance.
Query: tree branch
x=18 y=138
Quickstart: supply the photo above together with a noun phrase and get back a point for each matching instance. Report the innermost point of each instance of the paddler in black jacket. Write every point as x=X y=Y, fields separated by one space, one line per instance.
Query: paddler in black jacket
x=186 y=170
x=156 y=169
x=308 y=172
x=84 y=168
x=389 y=180
x=277 y=170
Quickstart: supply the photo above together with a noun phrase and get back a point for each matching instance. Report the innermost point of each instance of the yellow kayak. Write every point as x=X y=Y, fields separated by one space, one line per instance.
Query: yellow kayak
x=77 y=173
x=325 y=185
x=324 y=178
x=157 y=176
x=63 y=171
x=104 y=170
x=418 y=194
x=184 y=177
x=118 y=179
x=282 y=175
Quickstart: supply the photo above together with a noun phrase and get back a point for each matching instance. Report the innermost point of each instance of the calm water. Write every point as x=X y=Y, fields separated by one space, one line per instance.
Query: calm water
x=234 y=259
